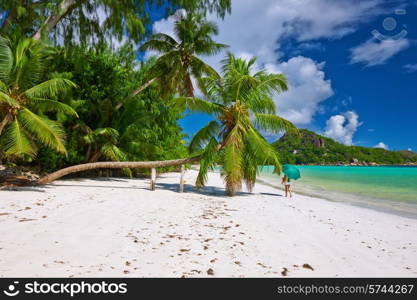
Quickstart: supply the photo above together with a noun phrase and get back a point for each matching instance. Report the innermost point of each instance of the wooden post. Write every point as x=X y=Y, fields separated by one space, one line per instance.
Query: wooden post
x=182 y=179
x=153 y=179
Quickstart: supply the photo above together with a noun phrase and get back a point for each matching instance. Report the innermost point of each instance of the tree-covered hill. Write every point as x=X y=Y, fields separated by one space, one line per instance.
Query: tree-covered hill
x=311 y=148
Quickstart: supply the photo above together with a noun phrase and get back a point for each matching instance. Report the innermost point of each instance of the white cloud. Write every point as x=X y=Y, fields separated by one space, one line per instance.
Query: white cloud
x=307 y=89
x=409 y=149
x=411 y=68
x=381 y=145
x=374 y=52
x=342 y=127
x=257 y=28
x=167 y=25
x=310 y=46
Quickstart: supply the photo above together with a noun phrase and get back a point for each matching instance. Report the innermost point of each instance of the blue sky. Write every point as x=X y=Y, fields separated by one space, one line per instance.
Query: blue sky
x=344 y=82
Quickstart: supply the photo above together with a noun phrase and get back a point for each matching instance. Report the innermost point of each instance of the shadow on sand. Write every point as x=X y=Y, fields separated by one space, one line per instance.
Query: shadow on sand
x=207 y=190
x=270 y=194
x=103 y=186
x=188 y=188
x=25 y=189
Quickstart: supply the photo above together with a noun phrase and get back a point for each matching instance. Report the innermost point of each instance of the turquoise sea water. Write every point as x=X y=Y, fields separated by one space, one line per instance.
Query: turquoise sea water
x=393 y=187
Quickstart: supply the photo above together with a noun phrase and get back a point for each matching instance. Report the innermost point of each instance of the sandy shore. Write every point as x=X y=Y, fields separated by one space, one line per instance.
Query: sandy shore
x=118 y=227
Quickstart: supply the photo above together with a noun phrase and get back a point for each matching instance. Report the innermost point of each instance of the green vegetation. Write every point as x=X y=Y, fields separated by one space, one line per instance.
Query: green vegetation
x=311 y=148
x=101 y=118
x=232 y=139
x=178 y=62
x=143 y=129
x=85 y=102
x=94 y=22
x=25 y=100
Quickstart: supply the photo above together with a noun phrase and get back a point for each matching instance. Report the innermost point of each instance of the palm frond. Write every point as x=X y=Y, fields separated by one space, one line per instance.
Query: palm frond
x=203 y=136
x=157 y=45
x=269 y=83
x=16 y=141
x=260 y=104
x=209 y=47
x=48 y=132
x=5 y=98
x=200 y=68
x=196 y=104
x=50 y=88
x=273 y=123
x=28 y=63
x=207 y=162
x=114 y=153
x=250 y=169
x=46 y=105
x=262 y=152
x=6 y=59
x=108 y=133
x=3 y=86
x=160 y=42
x=234 y=149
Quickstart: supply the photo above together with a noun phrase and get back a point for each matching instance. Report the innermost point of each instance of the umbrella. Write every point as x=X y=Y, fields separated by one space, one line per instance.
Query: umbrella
x=291 y=171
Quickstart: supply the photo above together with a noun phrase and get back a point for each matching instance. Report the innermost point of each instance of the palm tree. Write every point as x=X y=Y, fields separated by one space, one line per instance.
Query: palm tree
x=179 y=63
x=241 y=104
x=24 y=100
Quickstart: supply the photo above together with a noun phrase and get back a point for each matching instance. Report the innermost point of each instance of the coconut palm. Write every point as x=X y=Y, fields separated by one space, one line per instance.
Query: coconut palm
x=178 y=62
x=242 y=106
x=25 y=100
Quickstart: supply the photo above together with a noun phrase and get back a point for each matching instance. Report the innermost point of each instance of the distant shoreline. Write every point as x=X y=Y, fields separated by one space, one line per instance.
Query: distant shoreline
x=377 y=204
x=355 y=165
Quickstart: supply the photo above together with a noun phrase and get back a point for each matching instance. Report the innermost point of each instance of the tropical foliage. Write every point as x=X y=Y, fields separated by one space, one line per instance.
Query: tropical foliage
x=143 y=129
x=311 y=148
x=179 y=61
x=116 y=113
x=92 y=22
x=242 y=106
x=26 y=101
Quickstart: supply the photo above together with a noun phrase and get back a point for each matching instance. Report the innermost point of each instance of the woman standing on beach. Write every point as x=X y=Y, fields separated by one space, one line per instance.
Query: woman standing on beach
x=287 y=185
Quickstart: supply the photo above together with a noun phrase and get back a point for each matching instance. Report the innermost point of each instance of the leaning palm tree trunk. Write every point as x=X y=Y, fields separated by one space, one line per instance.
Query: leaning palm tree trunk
x=64 y=8
x=116 y=165
x=137 y=91
x=5 y=121
x=140 y=89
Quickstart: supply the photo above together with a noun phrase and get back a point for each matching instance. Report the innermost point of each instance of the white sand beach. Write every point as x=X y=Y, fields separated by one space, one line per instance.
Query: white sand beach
x=119 y=228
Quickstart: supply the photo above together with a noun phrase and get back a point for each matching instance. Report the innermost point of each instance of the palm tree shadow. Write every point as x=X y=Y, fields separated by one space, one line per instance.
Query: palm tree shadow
x=270 y=194
x=99 y=186
x=110 y=179
x=207 y=190
x=25 y=189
